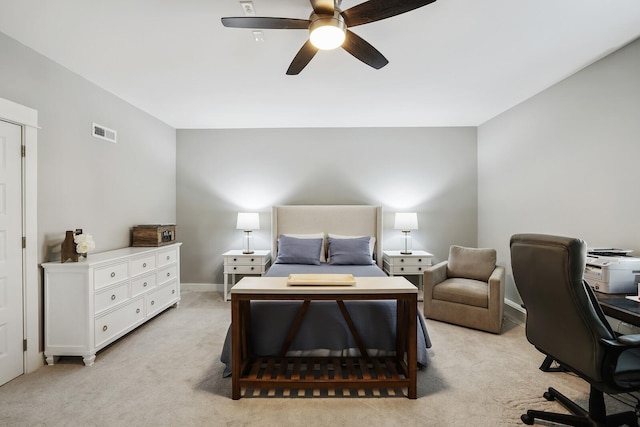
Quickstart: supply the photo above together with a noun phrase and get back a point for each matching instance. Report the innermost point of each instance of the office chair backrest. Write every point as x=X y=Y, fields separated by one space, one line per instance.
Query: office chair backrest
x=564 y=319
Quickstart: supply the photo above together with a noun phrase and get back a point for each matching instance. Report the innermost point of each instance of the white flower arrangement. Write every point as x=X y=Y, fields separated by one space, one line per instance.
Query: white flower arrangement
x=84 y=243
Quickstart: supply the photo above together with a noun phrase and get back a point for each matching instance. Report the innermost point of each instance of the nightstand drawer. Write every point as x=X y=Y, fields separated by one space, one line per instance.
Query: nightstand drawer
x=408 y=269
x=244 y=260
x=244 y=269
x=409 y=261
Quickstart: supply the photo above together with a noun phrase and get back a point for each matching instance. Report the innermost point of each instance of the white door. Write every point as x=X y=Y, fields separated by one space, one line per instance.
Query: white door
x=11 y=302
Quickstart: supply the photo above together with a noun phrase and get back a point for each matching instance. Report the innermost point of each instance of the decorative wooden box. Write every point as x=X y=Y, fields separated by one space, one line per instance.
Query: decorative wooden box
x=153 y=235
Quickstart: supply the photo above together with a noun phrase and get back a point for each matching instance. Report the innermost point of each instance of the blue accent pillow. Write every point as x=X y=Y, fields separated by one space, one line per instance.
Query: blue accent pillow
x=350 y=251
x=298 y=251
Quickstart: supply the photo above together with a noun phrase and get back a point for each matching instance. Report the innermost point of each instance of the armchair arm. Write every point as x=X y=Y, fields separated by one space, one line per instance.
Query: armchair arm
x=432 y=276
x=496 y=287
x=436 y=273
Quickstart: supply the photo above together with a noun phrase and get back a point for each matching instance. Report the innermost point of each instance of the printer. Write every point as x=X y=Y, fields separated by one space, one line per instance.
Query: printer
x=612 y=271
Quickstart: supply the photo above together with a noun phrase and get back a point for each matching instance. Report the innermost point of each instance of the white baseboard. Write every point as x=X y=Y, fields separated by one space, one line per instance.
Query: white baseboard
x=514 y=312
x=202 y=287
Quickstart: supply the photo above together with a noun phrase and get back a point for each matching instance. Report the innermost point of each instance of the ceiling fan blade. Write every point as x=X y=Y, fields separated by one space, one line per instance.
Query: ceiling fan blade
x=304 y=55
x=361 y=49
x=375 y=10
x=266 y=23
x=323 y=6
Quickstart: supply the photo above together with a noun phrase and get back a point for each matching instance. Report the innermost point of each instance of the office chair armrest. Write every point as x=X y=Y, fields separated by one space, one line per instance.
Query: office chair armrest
x=623 y=342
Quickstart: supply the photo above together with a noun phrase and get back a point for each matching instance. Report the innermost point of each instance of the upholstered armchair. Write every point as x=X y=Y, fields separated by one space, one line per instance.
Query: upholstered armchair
x=467 y=289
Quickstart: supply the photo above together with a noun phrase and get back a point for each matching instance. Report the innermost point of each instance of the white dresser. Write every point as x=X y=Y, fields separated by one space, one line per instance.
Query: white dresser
x=93 y=302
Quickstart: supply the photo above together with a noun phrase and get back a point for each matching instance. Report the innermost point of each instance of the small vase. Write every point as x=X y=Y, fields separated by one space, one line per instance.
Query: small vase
x=68 y=248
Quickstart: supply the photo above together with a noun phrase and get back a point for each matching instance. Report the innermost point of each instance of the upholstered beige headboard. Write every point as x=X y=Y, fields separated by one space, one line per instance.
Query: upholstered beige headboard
x=354 y=220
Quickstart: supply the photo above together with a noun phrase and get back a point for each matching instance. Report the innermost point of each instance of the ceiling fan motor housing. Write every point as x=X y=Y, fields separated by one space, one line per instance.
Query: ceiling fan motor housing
x=327 y=31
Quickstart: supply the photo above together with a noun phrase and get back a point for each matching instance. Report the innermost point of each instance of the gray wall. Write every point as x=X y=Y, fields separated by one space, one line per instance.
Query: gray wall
x=431 y=171
x=566 y=161
x=85 y=182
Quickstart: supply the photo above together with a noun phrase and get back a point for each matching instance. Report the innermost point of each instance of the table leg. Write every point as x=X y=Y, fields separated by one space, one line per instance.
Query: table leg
x=412 y=356
x=236 y=346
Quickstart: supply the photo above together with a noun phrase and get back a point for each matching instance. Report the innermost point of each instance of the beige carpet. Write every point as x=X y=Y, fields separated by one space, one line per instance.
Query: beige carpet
x=168 y=373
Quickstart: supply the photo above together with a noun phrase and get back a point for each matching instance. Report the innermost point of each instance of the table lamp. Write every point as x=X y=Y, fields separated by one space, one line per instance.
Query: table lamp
x=406 y=221
x=247 y=222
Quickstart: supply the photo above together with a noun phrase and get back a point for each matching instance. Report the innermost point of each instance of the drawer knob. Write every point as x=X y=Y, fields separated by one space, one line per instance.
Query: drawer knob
x=113 y=297
x=144 y=285
x=235 y=268
x=113 y=274
x=144 y=265
x=419 y=268
x=168 y=274
x=173 y=291
x=152 y=302
x=252 y=259
x=137 y=310
x=419 y=259
x=168 y=257
x=235 y=259
x=252 y=268
x=401 y=259
x=401 y=268
x=104 y=328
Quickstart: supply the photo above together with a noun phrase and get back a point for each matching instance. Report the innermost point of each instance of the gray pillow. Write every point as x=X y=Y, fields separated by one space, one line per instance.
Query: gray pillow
x=471 y=263
x=298 y=251
x=350 y=251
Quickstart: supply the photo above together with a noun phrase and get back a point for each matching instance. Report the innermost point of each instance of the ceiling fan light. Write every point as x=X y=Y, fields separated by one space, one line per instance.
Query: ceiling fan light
x=327 y=33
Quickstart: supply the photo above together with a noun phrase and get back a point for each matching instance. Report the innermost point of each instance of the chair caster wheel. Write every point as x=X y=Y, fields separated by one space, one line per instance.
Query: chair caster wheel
x=526 y=419
x=548 y=396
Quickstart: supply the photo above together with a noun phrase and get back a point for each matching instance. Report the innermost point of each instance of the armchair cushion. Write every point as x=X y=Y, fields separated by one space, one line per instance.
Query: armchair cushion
x=471 y=263
x=463 y=291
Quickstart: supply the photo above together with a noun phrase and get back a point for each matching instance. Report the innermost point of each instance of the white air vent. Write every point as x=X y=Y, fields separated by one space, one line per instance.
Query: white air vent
x=105 y=133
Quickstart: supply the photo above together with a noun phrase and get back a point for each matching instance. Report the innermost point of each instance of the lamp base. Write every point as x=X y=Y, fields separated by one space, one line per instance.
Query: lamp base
x=406 y=252
x=247 y=252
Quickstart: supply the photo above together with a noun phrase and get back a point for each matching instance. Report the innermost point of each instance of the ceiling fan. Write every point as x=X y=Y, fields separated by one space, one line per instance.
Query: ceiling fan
x=329 y=28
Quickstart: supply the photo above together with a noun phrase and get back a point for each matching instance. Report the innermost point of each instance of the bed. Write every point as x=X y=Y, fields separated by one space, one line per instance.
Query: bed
x=324 y=331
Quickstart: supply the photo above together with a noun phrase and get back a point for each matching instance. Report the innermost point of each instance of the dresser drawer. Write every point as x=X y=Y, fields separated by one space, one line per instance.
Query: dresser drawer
x=166 y=274
x=116 y=322
x=111 y=297
x=143 y=265
x=167 y=257
x=244 y=269
x=143 y=284
x=105 y=276
x=245 y=260
x=161 y=298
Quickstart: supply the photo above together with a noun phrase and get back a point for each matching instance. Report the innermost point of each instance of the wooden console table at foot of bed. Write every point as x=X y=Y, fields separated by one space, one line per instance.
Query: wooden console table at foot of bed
x=327 y=373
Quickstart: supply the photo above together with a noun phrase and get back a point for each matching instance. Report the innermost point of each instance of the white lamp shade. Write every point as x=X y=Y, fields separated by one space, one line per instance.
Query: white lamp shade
x=248 y=221
x=406 y=221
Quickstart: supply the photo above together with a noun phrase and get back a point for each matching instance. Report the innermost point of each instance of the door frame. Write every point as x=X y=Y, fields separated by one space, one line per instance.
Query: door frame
x=27 y=118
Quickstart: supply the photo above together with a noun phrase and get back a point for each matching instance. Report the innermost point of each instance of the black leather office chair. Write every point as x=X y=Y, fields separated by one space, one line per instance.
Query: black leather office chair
x=566 y=323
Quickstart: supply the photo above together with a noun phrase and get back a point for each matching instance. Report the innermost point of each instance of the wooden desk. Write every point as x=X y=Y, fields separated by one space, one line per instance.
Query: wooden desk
x=619 y=307
x=256 y=371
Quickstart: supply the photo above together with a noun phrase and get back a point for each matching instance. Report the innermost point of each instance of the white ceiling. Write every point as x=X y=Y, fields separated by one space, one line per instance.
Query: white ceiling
x=451 y=63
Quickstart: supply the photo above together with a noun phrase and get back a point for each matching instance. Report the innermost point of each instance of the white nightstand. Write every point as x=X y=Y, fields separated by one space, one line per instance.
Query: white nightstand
x=414 y=264
x=236 y=262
